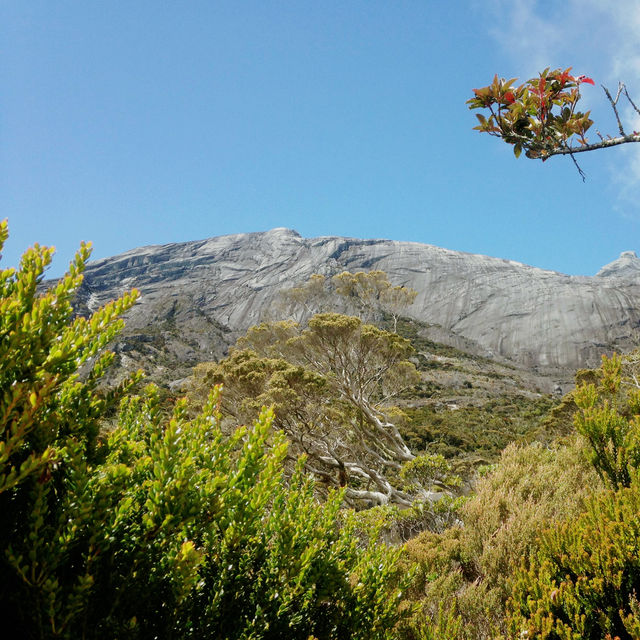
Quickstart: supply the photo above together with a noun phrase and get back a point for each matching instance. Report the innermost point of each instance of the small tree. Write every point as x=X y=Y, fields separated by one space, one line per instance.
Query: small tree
x=541 y=116
x=365 y=294
x=331 y=385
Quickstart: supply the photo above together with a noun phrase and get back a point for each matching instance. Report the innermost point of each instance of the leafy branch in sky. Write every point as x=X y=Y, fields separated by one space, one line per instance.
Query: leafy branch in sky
x=541 y=116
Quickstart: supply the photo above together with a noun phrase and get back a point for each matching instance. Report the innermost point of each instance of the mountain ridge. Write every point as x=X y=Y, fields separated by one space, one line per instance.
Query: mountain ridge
x=208 y=292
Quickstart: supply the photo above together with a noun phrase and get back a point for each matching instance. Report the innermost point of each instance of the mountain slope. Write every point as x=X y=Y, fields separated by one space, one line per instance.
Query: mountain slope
x=197 y=297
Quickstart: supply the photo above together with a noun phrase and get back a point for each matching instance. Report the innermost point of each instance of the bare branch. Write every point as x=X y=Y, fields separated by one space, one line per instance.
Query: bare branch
x=579 y=168
x=614 y=104
x=603 y=144
x=626 y=93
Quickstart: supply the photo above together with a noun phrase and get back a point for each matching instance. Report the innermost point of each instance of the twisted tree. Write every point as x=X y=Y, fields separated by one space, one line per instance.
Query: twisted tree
x=330 y=385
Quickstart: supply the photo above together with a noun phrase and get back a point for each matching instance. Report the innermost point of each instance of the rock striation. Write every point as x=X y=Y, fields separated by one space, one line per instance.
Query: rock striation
x=197 y=297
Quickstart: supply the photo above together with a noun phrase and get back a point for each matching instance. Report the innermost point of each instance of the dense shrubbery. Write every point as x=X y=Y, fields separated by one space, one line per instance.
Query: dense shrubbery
x=547 y=550
x=583 y=579
x=469 y=567
x=475 y=435
x=162 y=527
x=582 y=582
x=165 y=526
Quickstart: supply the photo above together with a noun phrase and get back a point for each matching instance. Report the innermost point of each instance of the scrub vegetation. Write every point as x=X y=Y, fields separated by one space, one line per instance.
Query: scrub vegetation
x=316 y=483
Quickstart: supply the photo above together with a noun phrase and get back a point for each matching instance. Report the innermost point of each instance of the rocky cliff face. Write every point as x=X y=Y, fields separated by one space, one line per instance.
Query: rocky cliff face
x=197 y=297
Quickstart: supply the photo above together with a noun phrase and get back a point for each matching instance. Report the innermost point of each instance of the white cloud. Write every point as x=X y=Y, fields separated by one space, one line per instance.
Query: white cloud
x=603 y=33
x=596 y=37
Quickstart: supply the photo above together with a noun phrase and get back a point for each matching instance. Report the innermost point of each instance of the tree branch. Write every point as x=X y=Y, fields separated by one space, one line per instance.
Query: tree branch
x=614 y=104
x=626 y=93
x=609 y=142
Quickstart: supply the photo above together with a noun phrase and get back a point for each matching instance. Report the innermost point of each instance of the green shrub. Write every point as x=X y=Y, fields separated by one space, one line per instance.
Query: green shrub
x=475 y=435
x=216 y=544
x=163 y=526
x=582 y=582
x=470 y=565
x=609 y=418
x=49 y=422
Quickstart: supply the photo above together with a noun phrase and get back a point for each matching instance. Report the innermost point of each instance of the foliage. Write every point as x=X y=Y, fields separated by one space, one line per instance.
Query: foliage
x=43 y=405
x=49 y=421
x=428 y=470
x=445 y=624
x=476 y=434
x=263 y=558
x=609 y=418
x=373 y=290
x=365 y=294
x=524 y=115
x=470 y=566
x=164 y=526
x=330 y=385
x=398 y=525
x=582 y=582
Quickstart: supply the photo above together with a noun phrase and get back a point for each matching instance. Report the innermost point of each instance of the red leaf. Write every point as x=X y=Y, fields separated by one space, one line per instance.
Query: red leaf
x=509 y=98
x=562 y=79
x=585 y=79
x=541 y=85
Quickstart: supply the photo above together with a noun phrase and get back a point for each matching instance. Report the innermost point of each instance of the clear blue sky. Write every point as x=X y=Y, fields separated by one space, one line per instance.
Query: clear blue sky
x=148 y=122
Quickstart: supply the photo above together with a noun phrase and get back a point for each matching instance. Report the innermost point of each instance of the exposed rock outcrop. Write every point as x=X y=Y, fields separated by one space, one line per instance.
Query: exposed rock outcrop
x=197 y=297
x=626 y=267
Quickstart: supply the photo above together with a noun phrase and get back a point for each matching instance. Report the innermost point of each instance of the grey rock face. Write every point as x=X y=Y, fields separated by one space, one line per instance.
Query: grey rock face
x=197 y=297
x=626 y=267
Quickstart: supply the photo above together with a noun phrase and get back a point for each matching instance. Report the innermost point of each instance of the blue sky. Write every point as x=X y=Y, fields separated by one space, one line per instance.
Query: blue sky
x=148 y=122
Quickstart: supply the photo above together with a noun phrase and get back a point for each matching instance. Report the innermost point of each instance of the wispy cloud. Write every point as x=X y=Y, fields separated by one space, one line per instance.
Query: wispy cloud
x=599 y=32
x=597 y=37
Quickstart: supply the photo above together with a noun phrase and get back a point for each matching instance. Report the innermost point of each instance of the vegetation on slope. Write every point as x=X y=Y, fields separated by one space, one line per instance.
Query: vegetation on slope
x=174 y=522
x=162 y=526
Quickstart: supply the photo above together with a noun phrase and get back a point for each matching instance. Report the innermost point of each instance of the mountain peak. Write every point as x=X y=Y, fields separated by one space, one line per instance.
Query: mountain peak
x=627 y=266
x=283 y=231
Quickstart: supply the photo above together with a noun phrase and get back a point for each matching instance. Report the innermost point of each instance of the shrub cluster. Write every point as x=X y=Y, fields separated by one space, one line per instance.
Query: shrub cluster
x=467 y=568
x=165 y=526
x=162 y=527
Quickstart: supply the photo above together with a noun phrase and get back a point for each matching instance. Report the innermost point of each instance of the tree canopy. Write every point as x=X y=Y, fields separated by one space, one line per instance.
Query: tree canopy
x=330 y=384
x=366 y=294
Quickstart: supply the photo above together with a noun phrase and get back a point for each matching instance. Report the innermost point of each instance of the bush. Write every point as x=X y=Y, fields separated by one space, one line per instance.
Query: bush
x=162 y=526
x=211 y=542
x=583 y=581
x=470 y=565
x=49 y=422
x=609 y=419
